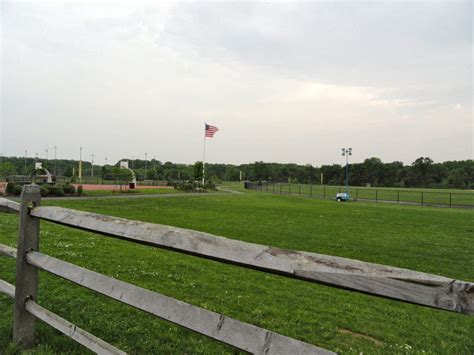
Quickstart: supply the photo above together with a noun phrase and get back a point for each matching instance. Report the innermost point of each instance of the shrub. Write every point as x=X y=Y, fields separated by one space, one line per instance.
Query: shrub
x=79 y=190
x=55 y=190
x=16 y=190
x=209 y=185
x=193 y=186
x=44 y=190
x=69 y=189
x=10 y=188
x=185 y=186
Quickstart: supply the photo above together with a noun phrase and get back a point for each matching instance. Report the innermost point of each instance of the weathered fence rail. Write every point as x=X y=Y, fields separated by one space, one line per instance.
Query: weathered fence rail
x=388 y=195
x=385 y=281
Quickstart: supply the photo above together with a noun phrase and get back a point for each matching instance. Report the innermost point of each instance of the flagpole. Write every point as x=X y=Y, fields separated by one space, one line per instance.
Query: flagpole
x=204 y=157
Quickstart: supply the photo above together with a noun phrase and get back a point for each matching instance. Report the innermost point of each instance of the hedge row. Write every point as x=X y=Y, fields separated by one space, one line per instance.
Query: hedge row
x=46 y=190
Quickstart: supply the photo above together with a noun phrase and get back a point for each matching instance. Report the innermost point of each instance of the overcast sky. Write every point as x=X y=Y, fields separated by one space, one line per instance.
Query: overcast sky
x=283 y=82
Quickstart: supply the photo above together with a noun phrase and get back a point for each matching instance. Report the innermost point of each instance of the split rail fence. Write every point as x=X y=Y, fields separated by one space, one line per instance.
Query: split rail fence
x=400 y=196
x=385 y=281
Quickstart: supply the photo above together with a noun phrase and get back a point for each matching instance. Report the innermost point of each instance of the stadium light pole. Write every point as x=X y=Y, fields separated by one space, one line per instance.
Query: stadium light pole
x=346 y=152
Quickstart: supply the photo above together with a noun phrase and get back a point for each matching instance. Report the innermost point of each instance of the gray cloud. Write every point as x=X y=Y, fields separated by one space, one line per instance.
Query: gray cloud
x=283 y=81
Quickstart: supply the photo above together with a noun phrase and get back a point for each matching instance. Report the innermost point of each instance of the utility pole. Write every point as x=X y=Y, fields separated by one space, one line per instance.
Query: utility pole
x=26 y=154
x=146 y=158
x=56 y=160
x=80 y=165
x=46 y=150
x=346 y=153
x=105 y=160
x=92 y=165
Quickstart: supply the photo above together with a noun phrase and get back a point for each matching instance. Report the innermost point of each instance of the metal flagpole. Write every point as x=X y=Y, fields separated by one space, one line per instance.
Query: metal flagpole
x=204 y=157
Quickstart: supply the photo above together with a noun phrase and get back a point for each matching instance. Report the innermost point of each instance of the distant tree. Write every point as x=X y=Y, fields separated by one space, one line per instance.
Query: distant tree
x=121 y=176
x=7 y=168
x=261 y=170
x=422 y=171
x=151 y=174
x=68 y=170
x=197 y=171
x=457 y=178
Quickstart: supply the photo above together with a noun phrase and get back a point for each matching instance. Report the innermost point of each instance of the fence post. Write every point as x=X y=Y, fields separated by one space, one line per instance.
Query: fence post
x=357 y=193
x=450 y=199
x=289 y=188
x=280 y=187
x=324 y=191
x=398 y=196
x=310 y=190
x=26 y=274
x=300 y=189
x=422 y=198
x=376 y=195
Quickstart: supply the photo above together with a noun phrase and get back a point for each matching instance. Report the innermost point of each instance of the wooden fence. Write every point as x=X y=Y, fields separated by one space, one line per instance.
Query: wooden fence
x=385 y=281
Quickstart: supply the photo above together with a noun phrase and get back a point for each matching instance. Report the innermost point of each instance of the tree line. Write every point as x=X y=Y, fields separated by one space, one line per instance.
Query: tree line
x=423 y=172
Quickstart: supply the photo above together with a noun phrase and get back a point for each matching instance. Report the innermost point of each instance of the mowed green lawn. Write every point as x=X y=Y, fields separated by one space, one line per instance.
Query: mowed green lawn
x=427 y=196
x=434 y=240
x=152 y=191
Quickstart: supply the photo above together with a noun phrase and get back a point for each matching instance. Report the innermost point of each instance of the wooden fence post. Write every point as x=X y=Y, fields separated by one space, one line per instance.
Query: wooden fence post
x=26 y=274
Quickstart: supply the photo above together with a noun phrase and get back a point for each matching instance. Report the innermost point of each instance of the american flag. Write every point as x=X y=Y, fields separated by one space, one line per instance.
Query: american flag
x=210 y=130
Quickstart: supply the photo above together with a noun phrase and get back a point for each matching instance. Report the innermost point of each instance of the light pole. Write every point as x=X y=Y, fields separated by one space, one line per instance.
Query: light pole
x=56 y=160
x=80 y=165
x=346 y=152
x=26 y=154
x=146 y=157
x=92 y=165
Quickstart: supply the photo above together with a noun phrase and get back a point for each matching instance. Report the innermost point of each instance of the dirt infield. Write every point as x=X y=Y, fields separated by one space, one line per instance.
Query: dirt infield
x=94 y=187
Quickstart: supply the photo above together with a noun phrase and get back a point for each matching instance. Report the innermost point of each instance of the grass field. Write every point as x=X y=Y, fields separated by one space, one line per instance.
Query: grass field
x=427 y=196
x=434 y=240
x=131 y=192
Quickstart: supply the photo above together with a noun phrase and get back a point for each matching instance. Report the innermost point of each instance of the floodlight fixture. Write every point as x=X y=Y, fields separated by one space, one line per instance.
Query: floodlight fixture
x=346 y=152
